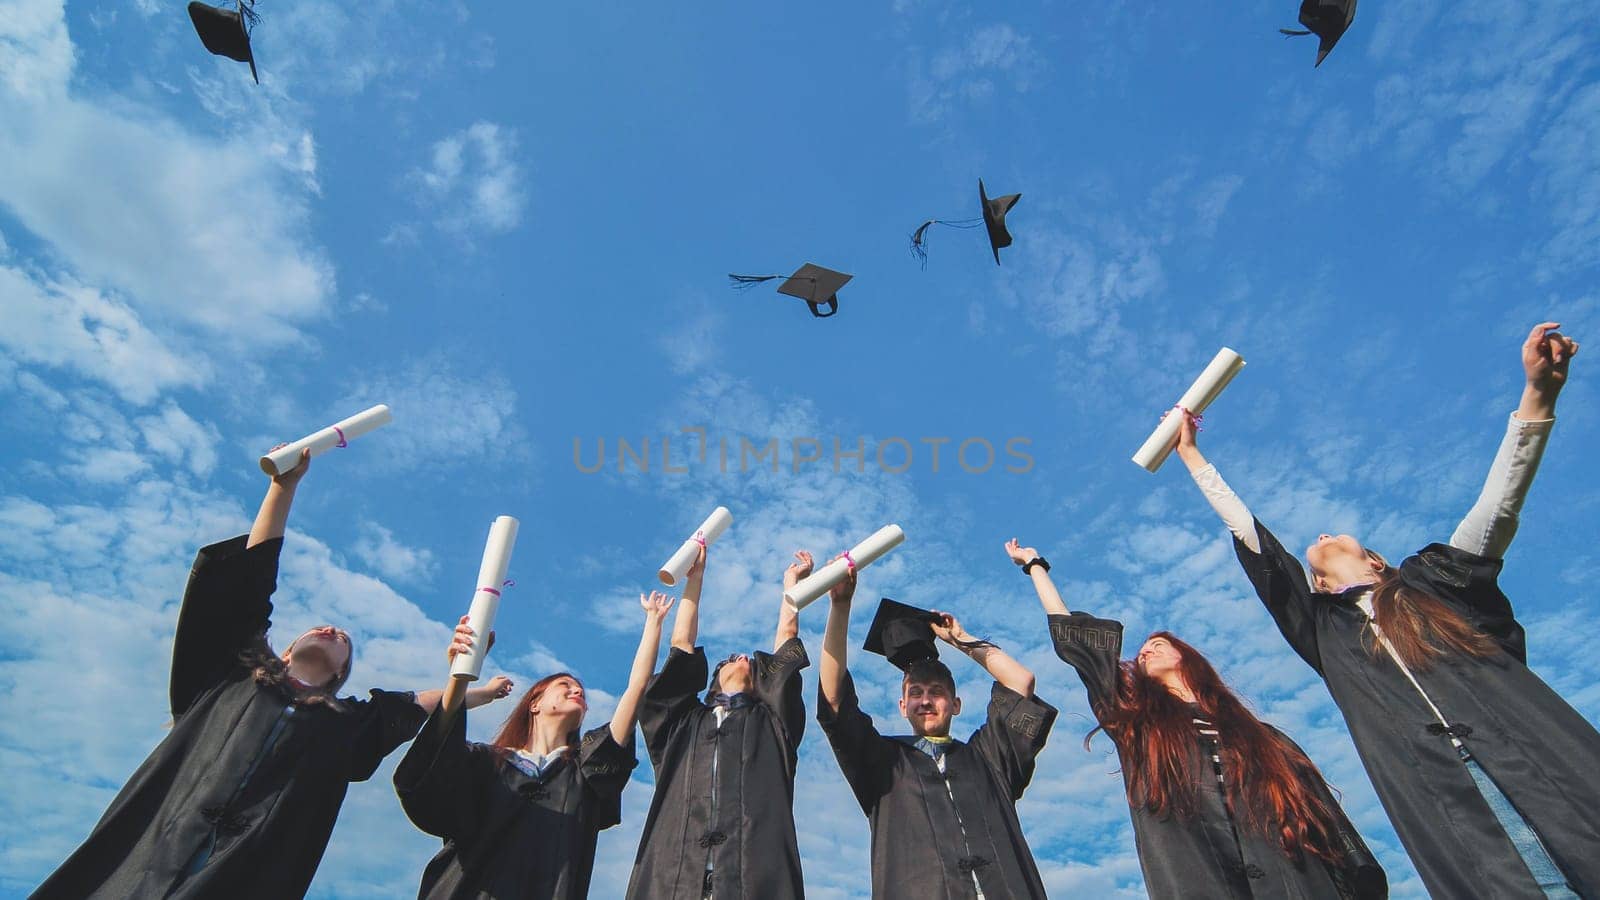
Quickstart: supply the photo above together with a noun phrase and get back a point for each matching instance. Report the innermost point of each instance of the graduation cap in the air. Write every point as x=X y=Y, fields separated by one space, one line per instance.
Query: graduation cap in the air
x=226 y=32
x=993 y=221
x=1327 y=19
x=812 y=283
x=903 y=634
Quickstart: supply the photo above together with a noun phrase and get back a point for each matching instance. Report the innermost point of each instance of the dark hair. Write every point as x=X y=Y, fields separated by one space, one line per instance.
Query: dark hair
x=1270 y=784
x=928 y=671
x=518 y=728
x=1420 y=626
x=270 y=671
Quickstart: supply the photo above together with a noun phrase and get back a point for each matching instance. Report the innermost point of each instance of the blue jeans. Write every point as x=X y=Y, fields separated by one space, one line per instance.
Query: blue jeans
x=1540 y=865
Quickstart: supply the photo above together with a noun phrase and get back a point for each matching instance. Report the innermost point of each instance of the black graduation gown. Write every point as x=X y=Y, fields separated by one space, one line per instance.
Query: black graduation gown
x=747 y=832
x=1539 y=750
x=508 y=835
x=924 y=845
x=271 y=813
x=1203 y=856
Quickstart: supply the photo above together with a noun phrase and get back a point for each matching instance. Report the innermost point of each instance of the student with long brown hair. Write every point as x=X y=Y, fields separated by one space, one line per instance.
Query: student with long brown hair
x=520 y=815
x=1223 y=804
x=1487 y=774
x=240 y=797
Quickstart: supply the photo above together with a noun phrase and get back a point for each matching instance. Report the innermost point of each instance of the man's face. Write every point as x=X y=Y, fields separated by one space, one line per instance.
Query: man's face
x=929 y=706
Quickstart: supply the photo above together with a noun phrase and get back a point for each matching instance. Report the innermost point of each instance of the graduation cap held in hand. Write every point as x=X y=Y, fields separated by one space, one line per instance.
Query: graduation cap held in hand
x=993 y=220
x=902 y=633
x=226 y=32
x=1327 y=19
x=817 y=286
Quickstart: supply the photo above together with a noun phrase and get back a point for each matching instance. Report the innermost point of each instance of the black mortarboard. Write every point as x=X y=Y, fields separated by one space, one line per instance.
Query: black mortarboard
x=1327 y=19
x=226 y=32
x=812 y=283
x=993 y=221
x=902 y=633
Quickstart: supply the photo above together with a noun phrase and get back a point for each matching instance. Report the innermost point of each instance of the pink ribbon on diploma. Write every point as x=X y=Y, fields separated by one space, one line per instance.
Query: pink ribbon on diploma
x=1192 y=417
x=699 y=538
x=342 y=441
x=849 y=561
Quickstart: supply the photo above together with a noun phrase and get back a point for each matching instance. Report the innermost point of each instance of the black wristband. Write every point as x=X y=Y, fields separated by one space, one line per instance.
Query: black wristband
x=1039 y=561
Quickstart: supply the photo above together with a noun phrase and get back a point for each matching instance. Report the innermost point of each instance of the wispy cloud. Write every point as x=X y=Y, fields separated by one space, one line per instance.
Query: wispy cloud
x=993 y=57
x=472 y=182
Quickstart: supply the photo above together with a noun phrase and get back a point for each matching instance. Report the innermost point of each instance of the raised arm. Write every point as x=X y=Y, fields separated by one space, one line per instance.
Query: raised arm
x=644 y=663
x=273 y=516
x=1049 y=597
x=686 y=626
x=788 y=616
x=1227 y=504
x=1488 y=528
x=835 y=642
x=999 y=664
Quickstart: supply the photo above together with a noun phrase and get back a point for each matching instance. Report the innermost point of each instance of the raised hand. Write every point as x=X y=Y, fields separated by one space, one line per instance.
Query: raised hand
x=1186 y=429
x=657 y=604
x=800 y=568
x=698 y=570
x=462 y=640
x=1020 y=554
x=1545 y=356
x=948 y=628
x=846 y=589
x=290 y=479
x=498 y=687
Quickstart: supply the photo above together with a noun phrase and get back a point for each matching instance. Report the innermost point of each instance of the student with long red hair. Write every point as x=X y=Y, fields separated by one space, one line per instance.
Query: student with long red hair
x=1223 y=804
x=1487 y=774
x=520 y=815
x=239 y=799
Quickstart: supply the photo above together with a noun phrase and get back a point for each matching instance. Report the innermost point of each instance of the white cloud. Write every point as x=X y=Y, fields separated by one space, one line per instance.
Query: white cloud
x=378 y=549
x=63 y=324
x=472 y=181
x=442 y=416
x=992 y=56
x=201 y=233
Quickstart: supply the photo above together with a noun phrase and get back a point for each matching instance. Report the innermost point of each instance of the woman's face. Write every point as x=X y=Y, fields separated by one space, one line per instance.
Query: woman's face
x=562 y=697
x=1333 y=552
x=324 y=645
x=1158 y=658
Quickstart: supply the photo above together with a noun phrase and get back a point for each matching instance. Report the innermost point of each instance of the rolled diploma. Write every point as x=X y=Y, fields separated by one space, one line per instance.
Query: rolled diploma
x=865 y=553
x=1205 y=389
x=288 y=456
x=486 y=600
x=709 y=530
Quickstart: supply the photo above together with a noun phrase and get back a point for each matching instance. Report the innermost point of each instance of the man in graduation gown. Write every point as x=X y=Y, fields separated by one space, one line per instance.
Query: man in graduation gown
x=721 y=821
x=239 y=799
x=943 y=812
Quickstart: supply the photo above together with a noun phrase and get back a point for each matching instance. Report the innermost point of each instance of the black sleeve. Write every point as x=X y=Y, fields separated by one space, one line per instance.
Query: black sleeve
x=672 y=694
x=442 y=779
x=605 y=765
x=1012 y=735
x=382 y=723
x=1471 y=584
x=1094 y=648
x=778 y=685
x=1281 y=584
x=864 y=755
x=226 y=606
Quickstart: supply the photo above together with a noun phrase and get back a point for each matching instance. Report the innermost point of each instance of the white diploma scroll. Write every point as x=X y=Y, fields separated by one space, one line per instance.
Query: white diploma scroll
x=288 y=456
x=865 y=553
x=1205 y=389
x=712 y=528
x=486 y=599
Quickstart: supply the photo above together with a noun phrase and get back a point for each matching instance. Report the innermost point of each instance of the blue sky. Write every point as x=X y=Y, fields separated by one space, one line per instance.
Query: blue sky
x=512 y=224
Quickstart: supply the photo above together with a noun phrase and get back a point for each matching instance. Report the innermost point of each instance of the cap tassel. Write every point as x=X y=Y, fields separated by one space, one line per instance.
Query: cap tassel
x=919 y=246
x=745 y=282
